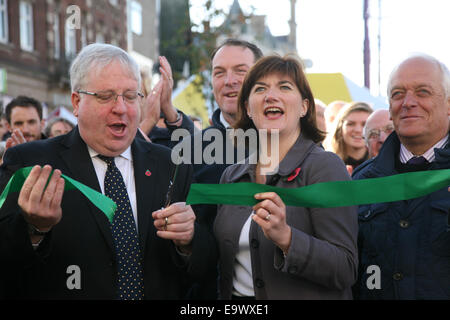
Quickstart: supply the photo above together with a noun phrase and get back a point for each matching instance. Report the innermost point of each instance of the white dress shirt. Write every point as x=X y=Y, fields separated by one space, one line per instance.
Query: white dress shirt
x=242 y=277
x=124 y=163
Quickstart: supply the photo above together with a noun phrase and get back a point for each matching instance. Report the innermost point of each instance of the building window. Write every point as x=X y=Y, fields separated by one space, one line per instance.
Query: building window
x=70 y=42
x=136 y=17
x=26 y=26
x=83 y=36
x=99 y=38
x=3 y=21
x=57 y=45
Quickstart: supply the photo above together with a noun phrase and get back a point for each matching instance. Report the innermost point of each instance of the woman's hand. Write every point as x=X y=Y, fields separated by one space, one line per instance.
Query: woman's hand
x=270 y=215
x=151 y=109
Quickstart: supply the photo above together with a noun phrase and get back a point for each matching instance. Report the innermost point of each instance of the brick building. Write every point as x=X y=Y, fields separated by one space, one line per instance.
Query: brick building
x=40 y=38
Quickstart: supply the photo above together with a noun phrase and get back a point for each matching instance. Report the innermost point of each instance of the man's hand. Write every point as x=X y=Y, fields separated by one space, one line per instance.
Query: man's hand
x=176 y=223
x=15 y=139
x=41 y=205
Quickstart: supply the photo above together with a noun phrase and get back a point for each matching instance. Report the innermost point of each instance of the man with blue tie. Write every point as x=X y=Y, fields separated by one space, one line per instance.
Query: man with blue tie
x=408 y=242
x=49 y=237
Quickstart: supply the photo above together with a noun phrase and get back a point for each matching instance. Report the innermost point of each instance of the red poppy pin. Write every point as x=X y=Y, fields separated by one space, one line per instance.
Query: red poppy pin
x=148 y=173
x=294 y=174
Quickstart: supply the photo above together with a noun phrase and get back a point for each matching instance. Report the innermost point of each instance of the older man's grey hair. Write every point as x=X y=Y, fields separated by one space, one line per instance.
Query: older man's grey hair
x=96 y=56
x=442 y=67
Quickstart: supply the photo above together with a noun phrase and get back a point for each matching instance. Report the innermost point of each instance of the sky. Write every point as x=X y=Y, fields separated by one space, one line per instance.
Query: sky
x=331 y=32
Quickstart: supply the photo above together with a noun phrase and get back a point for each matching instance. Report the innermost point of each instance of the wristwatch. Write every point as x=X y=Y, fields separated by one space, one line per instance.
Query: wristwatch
x=32 y=230
x=173 y=122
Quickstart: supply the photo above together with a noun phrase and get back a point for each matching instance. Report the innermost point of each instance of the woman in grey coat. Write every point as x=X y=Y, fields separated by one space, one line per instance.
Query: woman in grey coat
x=271 y=251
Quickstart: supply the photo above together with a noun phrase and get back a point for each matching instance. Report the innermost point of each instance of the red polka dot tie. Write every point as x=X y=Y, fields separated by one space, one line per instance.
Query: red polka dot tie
x=130 y=280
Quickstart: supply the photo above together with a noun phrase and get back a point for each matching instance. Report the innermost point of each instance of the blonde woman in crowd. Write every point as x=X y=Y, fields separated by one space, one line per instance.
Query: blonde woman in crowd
x=346 y=138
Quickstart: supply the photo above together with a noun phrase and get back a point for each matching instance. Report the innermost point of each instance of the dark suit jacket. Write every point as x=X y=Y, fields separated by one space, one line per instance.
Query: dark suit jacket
x=83 y=236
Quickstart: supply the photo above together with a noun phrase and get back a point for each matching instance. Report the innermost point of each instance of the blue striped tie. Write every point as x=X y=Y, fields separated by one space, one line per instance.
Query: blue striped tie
x=130 y=278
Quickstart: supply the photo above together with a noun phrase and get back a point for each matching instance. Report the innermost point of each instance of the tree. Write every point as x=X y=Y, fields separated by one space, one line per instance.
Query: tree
x=175 y=34
x=184 y=41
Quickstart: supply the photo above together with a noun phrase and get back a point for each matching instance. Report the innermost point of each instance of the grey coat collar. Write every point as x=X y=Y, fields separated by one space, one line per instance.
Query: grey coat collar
x=293 y=159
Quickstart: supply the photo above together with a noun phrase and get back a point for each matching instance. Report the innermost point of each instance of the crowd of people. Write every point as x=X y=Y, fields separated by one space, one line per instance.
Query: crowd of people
x=22 y=121
x=158 y=247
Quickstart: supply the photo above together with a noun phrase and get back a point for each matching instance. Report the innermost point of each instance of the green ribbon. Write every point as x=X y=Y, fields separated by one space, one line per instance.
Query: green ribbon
x=105 y=204
x=327 y=194
x=321 y=195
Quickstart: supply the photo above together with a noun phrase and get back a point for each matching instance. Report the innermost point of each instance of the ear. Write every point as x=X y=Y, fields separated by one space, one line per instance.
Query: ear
x=8 y=126
x=43 y=124
x=247 y=109
x=448 y=105
x=75 y=97
x=305 y=106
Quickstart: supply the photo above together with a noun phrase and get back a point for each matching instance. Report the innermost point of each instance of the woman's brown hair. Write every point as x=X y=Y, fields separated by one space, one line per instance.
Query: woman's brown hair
x=289 y=66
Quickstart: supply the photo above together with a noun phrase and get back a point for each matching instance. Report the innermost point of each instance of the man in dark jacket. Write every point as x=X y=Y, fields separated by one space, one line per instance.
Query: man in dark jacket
x=230 y=62
x=55 y=247
x=24 y=121
x=405 y=245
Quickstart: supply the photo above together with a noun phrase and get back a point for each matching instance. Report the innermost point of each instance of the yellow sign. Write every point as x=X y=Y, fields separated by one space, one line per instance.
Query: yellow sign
x=191 y=101
x=329 y=87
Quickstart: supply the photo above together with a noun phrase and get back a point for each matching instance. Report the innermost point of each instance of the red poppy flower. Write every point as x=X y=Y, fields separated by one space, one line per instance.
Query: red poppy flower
x=294 y=174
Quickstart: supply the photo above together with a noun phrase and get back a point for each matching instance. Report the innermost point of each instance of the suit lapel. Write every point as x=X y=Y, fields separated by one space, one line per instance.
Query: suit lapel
x=78 y=160
x=144 y=162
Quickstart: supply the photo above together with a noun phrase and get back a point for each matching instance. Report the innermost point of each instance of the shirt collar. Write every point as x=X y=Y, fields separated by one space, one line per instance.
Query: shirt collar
x=126 y=154
x=224 y=122
x=406 y=155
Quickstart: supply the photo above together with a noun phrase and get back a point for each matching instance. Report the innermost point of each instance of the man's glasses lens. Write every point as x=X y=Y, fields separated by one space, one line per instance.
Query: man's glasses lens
x=108 y=96
x=104 y=97
x=375 y=133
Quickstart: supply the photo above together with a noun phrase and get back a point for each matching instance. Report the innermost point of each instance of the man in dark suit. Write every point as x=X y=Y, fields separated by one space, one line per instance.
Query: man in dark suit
x=56 y=244
x=230 y=62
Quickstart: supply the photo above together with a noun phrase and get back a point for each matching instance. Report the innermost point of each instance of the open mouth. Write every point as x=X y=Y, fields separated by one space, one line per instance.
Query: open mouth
x=231 y=94
x=118 y=128
x=273 y=111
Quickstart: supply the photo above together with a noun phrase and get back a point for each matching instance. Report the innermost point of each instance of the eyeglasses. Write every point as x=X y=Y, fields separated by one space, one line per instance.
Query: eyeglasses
x=104 y=97
x=375 y=133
